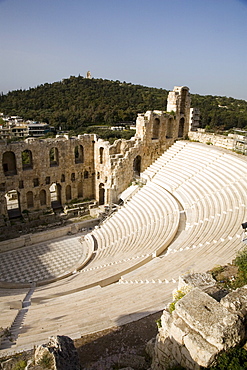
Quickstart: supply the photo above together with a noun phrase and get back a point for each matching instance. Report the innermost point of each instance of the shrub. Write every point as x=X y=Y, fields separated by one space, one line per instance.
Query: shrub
x=177 y=295
x=241 y=262
x=234 y=359
x=46 y=361
x=20 y=365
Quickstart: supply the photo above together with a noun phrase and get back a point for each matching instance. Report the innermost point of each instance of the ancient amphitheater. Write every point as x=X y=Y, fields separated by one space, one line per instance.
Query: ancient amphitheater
x=185 y=216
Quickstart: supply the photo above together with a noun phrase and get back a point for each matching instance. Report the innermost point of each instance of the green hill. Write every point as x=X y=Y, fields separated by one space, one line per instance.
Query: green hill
x=77 y=102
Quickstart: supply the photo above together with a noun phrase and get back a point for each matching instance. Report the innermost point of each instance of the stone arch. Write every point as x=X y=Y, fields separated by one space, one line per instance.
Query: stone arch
x=68 y=192
x=54 y=159
x=55 y=193
x=80 y=190
x=42 y=197
x=13 y=203
x=101 y=194
x=27 y=159
x=9 y=163
x=156 y=128
x=79 y=154
x=169 y=130
x=181 y=127
x=137 y=165
x=101 y=155
x=29 y=197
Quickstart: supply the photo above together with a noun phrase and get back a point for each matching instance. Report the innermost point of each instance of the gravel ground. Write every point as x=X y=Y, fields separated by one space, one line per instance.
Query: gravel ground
x=120 y=347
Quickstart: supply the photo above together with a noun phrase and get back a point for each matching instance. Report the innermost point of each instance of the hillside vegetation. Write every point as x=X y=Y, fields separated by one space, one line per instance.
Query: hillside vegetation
x=76 y=103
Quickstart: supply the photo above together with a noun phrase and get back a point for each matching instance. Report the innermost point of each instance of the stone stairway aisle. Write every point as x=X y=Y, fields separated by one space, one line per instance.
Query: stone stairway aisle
x=13 y=332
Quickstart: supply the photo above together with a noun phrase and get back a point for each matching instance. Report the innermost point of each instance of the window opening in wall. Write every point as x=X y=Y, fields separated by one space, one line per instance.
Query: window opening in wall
x=73 y=176
x=169 y=131
x=35 y=182
x=2 y=186
x=21 y=184
x=85 y=174
x=156 y=129
x=13 y=204
x=29 y=199
x=55 y=194
x=47 y=180
x=54 y=157
x=101 y=154
x=101 y=194
x=68 y=192
x=62 y=178
x=27 y=160
x=42 y=197
x=137 y=166
x=79 y=154
x=9 y=164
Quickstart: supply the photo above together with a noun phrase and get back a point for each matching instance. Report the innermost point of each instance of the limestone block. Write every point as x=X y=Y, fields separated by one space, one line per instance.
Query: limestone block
x=236 y=301
x=187 y=362
x=203 y=281
x=166 y=321
x=200 y=350
x=210 y=319
x=197 y=280
x=176 y=351
x=179 y=329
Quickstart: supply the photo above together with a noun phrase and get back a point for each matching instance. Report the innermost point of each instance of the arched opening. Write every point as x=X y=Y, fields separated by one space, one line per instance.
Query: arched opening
x=68 y=192
x=181 y=128
x=137 y=165
x=101 y=155
x=42 y=197
x=169 y=131
x=101 y=194
x=80 y=190
x=55 y=193
x=54 y=157
x=13 y=204
x=156 y=129
x=62 y=178
x=79 y=154
x=29 y=196
x=27 y=160
x=9 y=164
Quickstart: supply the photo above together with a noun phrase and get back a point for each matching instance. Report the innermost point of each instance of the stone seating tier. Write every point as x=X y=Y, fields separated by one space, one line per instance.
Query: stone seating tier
x=188 y=215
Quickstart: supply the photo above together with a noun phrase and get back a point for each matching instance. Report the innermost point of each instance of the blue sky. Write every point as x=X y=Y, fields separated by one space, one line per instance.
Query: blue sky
x=159 y=43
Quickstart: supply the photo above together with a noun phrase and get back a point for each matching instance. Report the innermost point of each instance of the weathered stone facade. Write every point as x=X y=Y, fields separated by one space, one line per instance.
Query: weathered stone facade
x=44 y=174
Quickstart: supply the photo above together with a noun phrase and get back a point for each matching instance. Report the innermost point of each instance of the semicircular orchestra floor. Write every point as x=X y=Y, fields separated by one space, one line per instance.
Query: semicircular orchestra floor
x=43 y=261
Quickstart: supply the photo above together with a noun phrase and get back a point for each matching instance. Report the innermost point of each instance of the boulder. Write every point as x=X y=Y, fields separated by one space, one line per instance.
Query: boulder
x=236 y=301
x=210 y=319
x=60 y=353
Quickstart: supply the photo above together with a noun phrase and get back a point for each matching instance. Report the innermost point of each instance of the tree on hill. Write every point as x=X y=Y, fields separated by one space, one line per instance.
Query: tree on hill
x=77 y=102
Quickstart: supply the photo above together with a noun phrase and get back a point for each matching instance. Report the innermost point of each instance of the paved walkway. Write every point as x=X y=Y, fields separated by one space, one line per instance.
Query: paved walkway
x=43 y=261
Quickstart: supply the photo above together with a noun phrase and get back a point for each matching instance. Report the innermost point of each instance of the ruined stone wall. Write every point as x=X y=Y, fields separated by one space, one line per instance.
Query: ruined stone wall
x=46 y=174
x=214 y=139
